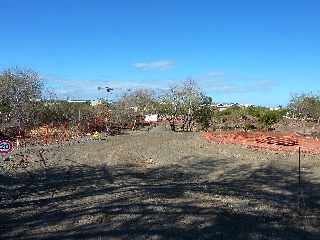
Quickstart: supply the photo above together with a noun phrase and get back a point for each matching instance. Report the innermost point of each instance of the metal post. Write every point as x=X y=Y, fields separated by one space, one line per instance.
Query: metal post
x=79 y=115
x=301 y=203
x=299 y=166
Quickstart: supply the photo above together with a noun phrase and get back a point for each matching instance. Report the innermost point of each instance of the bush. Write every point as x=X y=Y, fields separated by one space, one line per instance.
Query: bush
x=248 y=127
x=249 y=118
x=257 y=111
x=122 y=116
x=59 y=112
x=203 y=115
x=233 y=118
x=270 y=117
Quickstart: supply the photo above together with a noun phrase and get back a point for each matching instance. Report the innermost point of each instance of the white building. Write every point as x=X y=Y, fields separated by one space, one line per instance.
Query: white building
x=95 y=102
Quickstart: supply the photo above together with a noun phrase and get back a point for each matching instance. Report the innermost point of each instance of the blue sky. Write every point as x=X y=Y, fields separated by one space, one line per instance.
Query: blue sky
x=238 y=51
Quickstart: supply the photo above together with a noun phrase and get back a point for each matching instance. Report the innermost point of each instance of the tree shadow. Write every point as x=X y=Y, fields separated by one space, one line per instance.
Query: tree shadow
x=167 y=202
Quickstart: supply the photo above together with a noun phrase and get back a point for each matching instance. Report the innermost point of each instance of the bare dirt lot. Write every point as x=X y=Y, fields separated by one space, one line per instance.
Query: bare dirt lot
x=158 y=185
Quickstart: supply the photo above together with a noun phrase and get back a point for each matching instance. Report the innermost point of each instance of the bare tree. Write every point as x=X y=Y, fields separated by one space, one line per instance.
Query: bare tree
x=182 y=101
x=143 y=100
x=19 y=90
x=306 y=106
x=131 y=107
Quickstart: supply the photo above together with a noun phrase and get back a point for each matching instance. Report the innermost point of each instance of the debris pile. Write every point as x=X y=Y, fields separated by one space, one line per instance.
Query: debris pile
x=283 y=141
x=266 y=140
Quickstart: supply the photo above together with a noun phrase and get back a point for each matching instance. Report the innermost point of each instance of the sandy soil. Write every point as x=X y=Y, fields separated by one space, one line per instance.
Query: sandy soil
x=158 y=185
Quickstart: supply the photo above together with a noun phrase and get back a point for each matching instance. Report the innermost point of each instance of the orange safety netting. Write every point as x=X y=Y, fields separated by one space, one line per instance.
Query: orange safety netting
x=266 y=140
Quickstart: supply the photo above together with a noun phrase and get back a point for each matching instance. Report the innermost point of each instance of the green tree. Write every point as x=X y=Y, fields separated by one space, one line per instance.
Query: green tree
x=203 y=115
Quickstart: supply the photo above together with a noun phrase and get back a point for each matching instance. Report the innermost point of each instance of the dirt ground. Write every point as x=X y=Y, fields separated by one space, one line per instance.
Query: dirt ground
x=158 y=184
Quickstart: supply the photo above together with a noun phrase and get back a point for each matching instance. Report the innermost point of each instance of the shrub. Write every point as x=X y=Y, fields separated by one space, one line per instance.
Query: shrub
x=59 y=112
x=203 y=115
x=270 y=117
x=249 y=118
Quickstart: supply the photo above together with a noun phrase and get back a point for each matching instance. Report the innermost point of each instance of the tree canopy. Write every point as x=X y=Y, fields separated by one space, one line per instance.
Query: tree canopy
x=19 y=90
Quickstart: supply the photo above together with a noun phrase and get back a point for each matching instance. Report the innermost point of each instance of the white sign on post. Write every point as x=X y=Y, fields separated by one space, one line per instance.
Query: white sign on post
x=151 y=118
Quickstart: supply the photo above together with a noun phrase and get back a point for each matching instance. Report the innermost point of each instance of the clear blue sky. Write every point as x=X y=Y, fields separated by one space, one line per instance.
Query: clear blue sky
x=239 y=51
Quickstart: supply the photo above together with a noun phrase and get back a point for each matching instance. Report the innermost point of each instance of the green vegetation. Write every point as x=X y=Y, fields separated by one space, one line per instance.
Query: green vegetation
x=59 y=112
x=270 y=117
x=249 y=118
x=203 y=115
x=22 y=106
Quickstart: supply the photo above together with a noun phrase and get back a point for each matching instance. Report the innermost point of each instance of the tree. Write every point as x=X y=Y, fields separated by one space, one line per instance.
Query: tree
x=129 y=110
x=143 y=100
x=182 y=101
x=305 y=106
x=203 y=115
x=19 y=90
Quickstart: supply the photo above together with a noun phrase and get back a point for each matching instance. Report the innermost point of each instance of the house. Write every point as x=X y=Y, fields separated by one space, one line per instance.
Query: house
x=91 y=102
x=95 y=102
x=224 y=106
x=77 y=101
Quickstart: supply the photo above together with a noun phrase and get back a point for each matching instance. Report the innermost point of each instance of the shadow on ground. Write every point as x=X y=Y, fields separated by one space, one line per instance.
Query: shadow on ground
x=172 y=202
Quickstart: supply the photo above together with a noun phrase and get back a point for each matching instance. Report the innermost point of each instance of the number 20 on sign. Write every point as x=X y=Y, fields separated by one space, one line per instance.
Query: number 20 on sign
x=6 y=148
